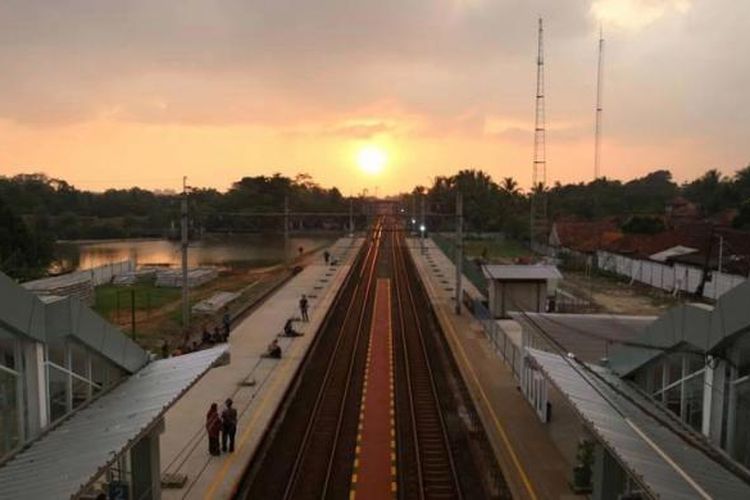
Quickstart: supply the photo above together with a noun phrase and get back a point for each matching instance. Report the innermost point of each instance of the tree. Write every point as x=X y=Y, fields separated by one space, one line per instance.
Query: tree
x=23 y=254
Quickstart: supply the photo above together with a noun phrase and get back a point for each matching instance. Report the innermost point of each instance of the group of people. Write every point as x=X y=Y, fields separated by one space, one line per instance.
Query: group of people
x=209 y=337
x=221 y=428
x=274 y=349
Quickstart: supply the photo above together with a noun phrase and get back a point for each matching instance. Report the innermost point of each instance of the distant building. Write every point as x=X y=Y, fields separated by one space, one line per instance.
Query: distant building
x=680 y=211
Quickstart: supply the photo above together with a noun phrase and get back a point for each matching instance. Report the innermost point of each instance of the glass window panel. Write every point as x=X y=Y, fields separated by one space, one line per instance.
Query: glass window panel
x=10 y=419
x=694 y=402
x=58 y=393
x=656 y=376
x=114 y=375
x=98 y=370
x=79 y=359
x=695 y=362
x=674 y=362
x=8 y=350
x=81 y=392
x=672 y=400
x=741 y=447
x=56 y=352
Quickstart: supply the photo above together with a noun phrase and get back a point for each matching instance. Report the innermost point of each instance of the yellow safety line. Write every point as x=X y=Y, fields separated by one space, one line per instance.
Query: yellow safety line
x=497 y=423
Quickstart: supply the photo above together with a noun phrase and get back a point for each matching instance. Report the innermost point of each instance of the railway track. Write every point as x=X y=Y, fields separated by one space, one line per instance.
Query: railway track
x=318 y=424
x=426 y=464
x=310 y=451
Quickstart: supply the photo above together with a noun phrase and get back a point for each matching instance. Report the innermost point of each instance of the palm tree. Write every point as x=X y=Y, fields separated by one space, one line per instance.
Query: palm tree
x=510 y=186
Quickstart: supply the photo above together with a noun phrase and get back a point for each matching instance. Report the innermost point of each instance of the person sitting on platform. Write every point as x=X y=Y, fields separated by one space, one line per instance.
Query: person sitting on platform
x=206 y=336
x=216 y=338
x=289 y=330
x=274 y=350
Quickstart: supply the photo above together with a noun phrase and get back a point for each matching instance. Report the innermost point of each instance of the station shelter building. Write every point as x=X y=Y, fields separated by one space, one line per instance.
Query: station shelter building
x=520 y=287
x=663 y=402
x=81 y=404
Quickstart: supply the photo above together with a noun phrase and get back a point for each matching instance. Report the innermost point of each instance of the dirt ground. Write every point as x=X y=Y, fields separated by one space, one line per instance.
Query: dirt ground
x=616 y=296
x=156 y=325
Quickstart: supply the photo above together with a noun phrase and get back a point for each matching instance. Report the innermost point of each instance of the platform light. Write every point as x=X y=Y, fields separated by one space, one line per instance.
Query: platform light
x=422 y=228
x=414 y=221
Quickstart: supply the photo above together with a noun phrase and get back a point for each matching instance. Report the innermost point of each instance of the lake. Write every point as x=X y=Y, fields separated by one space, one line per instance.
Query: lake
x=254 y=250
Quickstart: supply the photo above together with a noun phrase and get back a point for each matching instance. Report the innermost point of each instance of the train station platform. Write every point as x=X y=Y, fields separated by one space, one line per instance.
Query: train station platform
x=256 y=384
x=533 y=466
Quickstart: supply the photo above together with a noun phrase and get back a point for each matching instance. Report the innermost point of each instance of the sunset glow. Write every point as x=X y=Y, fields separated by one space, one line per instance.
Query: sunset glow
x=371 y=160
x=423 y=91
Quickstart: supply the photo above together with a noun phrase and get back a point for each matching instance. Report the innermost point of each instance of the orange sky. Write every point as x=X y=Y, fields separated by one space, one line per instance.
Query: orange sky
x=142 y=92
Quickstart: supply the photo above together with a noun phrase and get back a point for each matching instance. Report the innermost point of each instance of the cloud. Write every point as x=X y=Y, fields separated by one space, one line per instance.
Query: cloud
x=634 y=15
x=417 y=70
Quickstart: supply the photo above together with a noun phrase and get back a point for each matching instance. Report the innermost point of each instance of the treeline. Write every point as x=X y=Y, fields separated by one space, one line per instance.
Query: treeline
x=36 y=210
x=491 y=205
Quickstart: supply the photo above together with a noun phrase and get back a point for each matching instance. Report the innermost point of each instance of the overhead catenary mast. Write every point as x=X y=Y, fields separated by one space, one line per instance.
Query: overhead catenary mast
x=538 y=217
x=598 y=122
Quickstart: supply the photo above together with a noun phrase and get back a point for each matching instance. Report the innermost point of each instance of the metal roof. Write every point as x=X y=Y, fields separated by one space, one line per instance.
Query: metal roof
x=655 y=453
x=69 y=457
x=589 y=336
x=674 y=251
x=514 y=272
x=694 y=324
x=44 y=320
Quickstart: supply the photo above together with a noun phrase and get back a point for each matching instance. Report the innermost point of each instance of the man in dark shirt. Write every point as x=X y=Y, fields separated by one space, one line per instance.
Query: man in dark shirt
x=228 y=426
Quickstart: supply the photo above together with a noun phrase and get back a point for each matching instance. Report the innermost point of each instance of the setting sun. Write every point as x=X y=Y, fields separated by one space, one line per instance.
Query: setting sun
x=371 y=160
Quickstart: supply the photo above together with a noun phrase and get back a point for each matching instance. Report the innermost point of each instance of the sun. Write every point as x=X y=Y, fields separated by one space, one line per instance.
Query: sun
x=371 y=160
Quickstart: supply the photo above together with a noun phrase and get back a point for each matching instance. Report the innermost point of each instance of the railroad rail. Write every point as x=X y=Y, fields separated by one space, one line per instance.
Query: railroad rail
x=313 y=448
x=304 y=467
x=426 y=466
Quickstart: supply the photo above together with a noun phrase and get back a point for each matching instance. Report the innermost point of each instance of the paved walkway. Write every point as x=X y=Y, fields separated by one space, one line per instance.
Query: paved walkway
x=374 y=475
x=532 y=464
x=256 y=385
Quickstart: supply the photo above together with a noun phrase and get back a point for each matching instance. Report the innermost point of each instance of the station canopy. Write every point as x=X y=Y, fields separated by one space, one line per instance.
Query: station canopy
x=664 y=456
x=66 y=460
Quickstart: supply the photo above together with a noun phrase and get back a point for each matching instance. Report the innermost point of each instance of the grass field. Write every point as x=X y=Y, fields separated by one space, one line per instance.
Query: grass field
x=495 y=250
x=147 y=297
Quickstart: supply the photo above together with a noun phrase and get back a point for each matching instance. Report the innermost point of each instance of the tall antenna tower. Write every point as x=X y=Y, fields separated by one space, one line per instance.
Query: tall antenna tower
x=598 y=125
x=538 y=221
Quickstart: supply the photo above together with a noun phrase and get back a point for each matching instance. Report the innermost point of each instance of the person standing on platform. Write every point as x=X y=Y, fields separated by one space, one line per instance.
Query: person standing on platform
x=213 y=427
x=326 y=256
x=229 y=426
x=303 y=304
x=226 y=320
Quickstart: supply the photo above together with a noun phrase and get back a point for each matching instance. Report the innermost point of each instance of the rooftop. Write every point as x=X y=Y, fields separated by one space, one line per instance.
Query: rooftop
x=589 y=336
x=68 y=458
x=663 y=457
x=514 y=272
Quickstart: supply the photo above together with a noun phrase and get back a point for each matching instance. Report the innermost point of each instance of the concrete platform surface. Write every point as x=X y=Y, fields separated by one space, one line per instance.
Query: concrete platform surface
x=256 y=385
x=531 y=463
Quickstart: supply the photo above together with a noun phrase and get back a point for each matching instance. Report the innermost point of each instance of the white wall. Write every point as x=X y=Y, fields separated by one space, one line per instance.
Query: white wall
x=670 y=278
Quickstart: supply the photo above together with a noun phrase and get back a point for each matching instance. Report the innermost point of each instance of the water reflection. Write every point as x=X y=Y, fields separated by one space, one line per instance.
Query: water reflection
x=243 y=250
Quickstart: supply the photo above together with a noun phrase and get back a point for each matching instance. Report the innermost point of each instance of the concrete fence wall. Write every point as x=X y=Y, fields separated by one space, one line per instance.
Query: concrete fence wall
x=678 y=277
x=104 y=273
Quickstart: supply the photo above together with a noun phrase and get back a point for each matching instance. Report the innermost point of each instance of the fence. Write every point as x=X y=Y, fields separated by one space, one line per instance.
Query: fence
x=678 y=277
x=79 y=283
x=500 y=340
x=470 y=269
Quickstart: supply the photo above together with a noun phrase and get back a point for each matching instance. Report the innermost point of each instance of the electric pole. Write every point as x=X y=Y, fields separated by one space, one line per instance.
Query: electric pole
x=422 y=227
x=286 y=228
x=184 y=245
x=351 y=216
x=459 y=248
